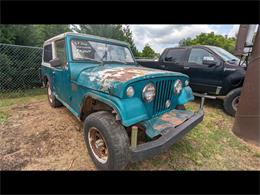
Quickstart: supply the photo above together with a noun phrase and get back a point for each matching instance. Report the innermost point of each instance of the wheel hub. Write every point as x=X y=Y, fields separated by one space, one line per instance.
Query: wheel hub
x=235 y=103
x=98 y=145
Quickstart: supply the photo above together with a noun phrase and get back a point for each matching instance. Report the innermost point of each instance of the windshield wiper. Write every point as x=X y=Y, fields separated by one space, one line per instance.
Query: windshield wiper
x=90 y=59
x=116 y=61
x=104 y=56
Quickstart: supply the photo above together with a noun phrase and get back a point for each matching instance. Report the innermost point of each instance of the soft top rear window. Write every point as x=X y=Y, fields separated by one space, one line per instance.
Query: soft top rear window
x=47 y=53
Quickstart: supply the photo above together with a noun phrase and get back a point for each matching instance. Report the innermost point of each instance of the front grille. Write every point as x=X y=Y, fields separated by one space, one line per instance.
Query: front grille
x=164 y=92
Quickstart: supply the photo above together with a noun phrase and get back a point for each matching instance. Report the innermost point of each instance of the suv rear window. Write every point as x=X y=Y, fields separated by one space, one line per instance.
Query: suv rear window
x=47 y=53
x=175 y=55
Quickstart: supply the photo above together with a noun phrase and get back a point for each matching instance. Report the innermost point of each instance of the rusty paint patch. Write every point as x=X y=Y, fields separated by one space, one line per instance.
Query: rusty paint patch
x=162 y=126
x=107 y=77
x=171 y=119
x=126 y=73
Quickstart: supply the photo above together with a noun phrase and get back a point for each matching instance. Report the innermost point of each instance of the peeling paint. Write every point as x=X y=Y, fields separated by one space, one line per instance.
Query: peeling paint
x=170 y=119
x=109 y=77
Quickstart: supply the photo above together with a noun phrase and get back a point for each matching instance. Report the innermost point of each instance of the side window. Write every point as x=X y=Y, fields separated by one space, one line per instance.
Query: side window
x=175 y=56
x=47 y=53
x=197 y=54
x=60 y=51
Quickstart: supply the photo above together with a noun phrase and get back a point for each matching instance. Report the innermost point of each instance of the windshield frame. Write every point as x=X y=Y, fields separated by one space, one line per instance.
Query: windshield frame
x=215 y=50
x=99 y=41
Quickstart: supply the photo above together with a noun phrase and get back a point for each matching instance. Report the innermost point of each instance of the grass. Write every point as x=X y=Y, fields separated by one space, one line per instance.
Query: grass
x=15 y=98
x=209 y=146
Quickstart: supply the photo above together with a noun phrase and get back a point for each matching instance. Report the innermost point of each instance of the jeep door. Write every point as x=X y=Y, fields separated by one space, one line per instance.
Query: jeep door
x=61 y=75
x=173 y=59
x=204 y=78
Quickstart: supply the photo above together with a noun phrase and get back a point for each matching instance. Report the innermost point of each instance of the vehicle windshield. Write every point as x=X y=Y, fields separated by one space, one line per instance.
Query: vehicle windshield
x=100 y=52
x=225 y=55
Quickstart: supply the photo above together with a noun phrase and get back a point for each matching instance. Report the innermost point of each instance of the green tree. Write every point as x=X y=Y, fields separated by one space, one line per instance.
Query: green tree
x=104 y=30
x=148 y=52
x=18 y=34
x=129 y=38
x=227 y=43
x=45 y=32
x=29 y=35
x=6 y=34
x=112 y=31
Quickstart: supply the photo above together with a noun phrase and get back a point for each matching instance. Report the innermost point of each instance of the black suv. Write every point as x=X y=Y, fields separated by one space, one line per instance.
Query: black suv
x=211 y=69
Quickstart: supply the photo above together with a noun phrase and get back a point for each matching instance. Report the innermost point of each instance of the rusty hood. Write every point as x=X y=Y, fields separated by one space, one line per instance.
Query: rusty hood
x=113 y=78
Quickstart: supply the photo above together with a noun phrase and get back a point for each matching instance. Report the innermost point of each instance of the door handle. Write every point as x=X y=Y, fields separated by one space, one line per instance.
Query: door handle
x=186 y=67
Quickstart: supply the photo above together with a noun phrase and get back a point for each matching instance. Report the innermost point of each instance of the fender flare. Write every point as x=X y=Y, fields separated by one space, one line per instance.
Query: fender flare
x=102 y=99
x=121 y=107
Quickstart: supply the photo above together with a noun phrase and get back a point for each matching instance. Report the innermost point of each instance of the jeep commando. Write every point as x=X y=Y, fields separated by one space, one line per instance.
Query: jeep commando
x=130 y=112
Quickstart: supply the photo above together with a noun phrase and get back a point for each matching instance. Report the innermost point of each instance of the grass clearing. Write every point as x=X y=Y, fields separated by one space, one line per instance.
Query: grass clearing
x=16 y=98
x=209 y=146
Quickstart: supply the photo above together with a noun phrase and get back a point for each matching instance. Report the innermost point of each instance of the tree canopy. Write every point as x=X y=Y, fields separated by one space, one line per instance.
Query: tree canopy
x=148 y=52
x=113 y=31
x=227 y=43
x=35 y=35
x=29 y=35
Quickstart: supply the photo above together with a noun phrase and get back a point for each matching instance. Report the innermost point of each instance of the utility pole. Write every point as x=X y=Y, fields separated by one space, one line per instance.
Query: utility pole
x=247 y=120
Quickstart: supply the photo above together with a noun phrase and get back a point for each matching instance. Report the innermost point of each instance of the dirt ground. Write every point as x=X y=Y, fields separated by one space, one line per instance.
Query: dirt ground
x=38 y=137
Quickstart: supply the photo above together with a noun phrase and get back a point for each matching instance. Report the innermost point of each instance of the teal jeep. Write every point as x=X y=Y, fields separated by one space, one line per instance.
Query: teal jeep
x=130 y=112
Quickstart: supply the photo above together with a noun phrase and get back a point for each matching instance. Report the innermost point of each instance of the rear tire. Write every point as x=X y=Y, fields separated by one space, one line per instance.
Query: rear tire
x=107 y=141
x=51 y=98
x=231 y=101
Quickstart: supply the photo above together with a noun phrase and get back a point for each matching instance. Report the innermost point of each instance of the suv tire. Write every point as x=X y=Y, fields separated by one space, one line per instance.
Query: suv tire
x=107 y=141
x=51 y=98
x=231 y=101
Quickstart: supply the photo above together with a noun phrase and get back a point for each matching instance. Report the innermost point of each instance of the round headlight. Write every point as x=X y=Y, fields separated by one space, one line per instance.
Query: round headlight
x=149 y=92
x=177 y=87
x=130 y=91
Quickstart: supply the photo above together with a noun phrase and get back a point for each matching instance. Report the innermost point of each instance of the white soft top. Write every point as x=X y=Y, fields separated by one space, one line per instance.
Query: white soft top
x=60 y=36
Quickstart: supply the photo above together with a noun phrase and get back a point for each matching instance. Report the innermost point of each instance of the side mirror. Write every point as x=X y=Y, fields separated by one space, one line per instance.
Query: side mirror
x=168 y=59
x=209 y=60
x=55 y=62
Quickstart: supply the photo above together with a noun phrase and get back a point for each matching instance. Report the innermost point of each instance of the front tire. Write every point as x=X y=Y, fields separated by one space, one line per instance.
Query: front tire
x=107 y=141
x=231 y=101
x=51 y=98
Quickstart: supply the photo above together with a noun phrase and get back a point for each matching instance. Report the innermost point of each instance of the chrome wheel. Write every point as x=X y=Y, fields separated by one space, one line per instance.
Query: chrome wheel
x=235 y=103
x=98 y=145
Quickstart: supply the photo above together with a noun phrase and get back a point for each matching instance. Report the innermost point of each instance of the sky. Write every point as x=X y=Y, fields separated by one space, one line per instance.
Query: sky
x=160 y=37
